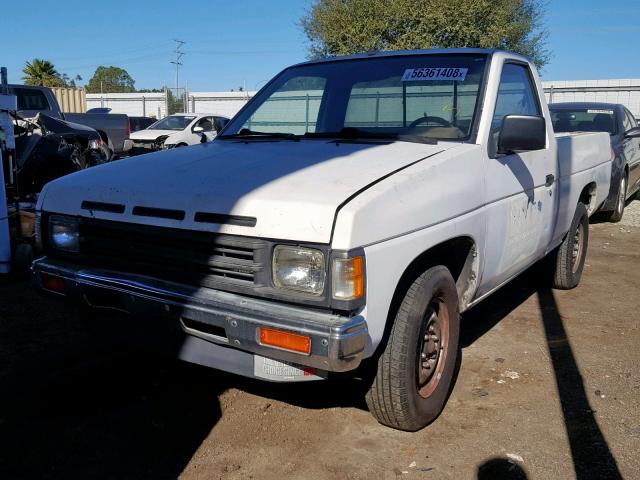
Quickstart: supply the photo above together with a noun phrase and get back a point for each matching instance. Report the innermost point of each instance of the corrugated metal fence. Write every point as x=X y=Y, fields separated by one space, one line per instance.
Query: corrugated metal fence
x=71 y=100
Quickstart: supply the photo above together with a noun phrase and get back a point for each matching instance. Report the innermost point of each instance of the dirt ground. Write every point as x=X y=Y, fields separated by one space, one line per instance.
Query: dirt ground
x=549 y=388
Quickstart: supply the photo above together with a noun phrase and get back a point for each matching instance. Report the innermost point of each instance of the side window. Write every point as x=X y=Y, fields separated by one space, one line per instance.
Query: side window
x=629 y=121
x=206 y=123
x=31 y=99
x=219 y=123
x=516 y=96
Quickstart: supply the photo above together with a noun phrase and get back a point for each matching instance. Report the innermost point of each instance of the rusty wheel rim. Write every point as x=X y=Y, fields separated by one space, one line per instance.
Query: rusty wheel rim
x=432 y=347
x=578 y=247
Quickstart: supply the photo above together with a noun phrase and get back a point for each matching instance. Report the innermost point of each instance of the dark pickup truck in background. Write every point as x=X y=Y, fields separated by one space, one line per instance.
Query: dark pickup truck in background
x=114 y=128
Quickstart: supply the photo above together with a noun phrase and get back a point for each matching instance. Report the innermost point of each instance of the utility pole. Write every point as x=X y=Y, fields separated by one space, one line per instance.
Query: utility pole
x=177 y=62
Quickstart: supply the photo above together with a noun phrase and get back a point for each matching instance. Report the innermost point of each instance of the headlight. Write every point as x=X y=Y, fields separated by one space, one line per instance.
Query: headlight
x=64 y=233
x=95 y=144
x=348 y=278
x=301 y=269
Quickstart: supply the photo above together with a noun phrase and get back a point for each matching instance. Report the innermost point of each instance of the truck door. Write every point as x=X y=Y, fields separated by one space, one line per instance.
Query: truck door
x=520 y=188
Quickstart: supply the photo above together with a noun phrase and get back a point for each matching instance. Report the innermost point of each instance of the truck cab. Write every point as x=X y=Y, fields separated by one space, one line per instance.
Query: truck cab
x=344 y=218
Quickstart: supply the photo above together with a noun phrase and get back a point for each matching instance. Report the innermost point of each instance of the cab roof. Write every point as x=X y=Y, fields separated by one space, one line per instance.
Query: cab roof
x=430 y=51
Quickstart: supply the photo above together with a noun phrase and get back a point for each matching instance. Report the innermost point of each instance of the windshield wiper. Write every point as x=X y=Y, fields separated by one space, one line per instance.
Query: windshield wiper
x=246 y=133
x=351 y=133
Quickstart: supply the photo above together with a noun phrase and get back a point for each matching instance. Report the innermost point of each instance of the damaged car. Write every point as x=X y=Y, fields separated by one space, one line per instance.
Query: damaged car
x=48 y=148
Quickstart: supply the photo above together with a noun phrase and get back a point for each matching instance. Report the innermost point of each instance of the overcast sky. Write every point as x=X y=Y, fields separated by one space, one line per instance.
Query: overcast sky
x=229 y=44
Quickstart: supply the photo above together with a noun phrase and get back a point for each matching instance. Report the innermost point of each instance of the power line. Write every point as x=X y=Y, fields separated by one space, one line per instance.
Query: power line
x=179 y=54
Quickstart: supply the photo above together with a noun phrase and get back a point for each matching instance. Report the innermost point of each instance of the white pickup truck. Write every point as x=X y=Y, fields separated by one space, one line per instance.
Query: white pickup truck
x=345 y=217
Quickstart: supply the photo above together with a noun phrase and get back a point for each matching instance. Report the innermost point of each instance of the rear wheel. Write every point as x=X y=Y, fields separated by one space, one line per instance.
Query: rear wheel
x=22 y=260
x=568 y=260
x=415 y=372
x=616 y=215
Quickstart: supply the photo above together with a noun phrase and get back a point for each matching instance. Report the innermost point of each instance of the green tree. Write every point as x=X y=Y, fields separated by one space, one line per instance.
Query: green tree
x=342 y=27
x=110 y=80
x=42 y=73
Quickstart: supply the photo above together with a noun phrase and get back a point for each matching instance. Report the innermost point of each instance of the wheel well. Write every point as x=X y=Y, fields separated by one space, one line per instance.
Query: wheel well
x=103 y=136
x=588 y=197
x=459 y=255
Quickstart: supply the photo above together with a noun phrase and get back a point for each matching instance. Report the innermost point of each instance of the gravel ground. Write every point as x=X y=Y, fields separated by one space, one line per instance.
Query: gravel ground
x=549 y=388
x=631 y=217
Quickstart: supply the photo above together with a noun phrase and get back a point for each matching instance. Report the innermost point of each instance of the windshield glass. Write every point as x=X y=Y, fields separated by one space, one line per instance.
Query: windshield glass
x=405 y=97
x=173 y=122
x=584 y=120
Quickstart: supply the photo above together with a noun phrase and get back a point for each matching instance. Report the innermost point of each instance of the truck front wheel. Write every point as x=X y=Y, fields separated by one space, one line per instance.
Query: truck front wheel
x=416 y=370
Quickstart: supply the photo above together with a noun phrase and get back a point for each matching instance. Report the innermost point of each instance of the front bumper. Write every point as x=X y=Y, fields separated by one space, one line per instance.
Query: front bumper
x=219 y=318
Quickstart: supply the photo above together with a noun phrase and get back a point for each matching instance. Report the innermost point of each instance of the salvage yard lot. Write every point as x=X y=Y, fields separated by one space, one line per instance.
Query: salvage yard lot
x=549 y=383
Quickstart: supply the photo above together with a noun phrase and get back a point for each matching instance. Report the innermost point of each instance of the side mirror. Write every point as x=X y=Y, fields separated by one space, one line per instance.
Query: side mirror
x=522 y=133
x=197 y=130
x=632 y=133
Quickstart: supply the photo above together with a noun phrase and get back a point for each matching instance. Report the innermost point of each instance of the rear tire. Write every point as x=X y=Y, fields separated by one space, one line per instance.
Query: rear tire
x=572 y=252
x=416 y=370
x=616 y=215
x=22 y=260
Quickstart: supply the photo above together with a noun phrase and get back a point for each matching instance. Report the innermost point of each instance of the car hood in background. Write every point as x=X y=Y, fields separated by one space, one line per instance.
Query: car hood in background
x=291 y=189
x=147 y=134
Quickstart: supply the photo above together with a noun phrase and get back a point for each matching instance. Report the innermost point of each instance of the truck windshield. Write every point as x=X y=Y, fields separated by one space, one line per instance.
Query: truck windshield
x=173 y=122
x=412 y=98
x=584 y=120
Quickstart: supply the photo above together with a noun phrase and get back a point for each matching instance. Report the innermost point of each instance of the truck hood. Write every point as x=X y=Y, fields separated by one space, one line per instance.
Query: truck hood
x=151 y=134
x=290 y=190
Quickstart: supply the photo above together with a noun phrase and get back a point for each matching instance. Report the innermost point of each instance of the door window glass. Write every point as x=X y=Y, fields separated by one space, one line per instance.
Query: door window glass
x=516 y=96
x=206 y=123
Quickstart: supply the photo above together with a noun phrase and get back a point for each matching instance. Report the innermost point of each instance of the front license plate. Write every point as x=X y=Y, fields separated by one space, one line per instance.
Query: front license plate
x=278 y=371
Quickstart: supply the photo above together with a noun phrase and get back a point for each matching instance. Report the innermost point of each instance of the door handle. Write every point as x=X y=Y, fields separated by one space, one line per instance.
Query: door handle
x=549 y=180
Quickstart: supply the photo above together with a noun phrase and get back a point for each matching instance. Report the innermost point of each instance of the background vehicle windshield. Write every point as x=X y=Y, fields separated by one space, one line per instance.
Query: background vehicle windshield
x=174 y=122
x=584 y=120
x=432 y=96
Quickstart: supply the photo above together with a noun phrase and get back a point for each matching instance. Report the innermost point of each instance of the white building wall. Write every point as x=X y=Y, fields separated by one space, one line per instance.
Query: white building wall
x=133 y=104
x=223 y=103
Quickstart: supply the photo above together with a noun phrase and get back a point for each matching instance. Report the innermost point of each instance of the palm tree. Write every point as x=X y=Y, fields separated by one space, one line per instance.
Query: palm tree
x=41 y=72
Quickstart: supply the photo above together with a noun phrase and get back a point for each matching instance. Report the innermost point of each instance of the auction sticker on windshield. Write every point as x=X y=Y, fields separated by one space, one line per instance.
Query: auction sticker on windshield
x=434 y=74
x=608 y=112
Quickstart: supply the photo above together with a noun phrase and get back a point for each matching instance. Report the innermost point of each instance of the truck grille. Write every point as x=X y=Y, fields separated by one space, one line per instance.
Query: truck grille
x=188 y=257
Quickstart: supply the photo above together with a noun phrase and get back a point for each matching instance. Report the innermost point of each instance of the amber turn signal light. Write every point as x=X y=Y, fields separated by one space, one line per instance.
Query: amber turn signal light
x=285 y=340
x=348 y=278
x=54 y=284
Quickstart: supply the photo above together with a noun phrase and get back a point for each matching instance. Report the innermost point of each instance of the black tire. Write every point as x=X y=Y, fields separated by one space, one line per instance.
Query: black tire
x=570 y=256
x=403 y=396
x=616 y=215
x=22 y=260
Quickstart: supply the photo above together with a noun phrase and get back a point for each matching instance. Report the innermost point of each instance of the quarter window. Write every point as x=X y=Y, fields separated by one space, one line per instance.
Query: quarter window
x=629 y=121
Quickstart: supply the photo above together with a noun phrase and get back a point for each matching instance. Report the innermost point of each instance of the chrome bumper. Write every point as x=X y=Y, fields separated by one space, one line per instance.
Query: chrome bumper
x=337 y=342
